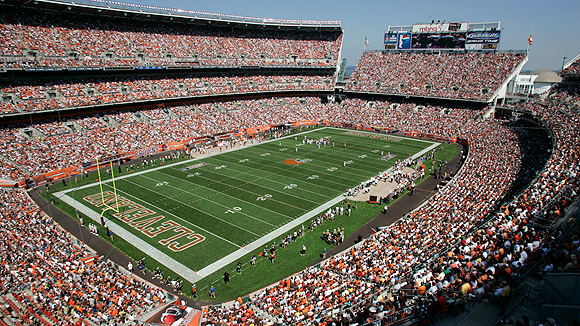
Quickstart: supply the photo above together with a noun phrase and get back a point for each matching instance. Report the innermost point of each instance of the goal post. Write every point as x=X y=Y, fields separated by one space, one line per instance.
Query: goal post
x=114 y=207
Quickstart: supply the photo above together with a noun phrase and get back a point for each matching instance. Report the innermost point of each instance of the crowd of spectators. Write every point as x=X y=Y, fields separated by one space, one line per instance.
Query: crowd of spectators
x=471 y=76
x=389 y=259
x=389 y=116
x=46 y=276
x=442 y=253
x=573 y=69
x=123 y=132
x=53 y=145
x=38 y=38
x=567 y=94
x=26 y=96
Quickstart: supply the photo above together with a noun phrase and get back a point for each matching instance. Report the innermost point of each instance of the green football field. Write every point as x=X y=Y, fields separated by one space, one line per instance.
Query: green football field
x=195 y=215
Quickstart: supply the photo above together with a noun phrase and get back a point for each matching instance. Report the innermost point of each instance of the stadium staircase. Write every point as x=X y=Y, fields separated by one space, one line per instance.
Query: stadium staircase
x=263 y=314
x=16 y=165
x=551 y=294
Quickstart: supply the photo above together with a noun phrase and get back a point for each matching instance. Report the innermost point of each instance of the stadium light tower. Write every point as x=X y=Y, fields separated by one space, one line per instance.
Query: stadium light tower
x=563 y=60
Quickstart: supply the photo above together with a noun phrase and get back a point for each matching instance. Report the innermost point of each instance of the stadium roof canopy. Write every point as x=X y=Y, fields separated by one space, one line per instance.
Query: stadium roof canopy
x=547 y=76
x=129 y=10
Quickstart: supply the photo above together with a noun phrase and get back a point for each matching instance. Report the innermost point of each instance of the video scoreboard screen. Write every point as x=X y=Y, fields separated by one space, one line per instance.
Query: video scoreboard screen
x=481 y=36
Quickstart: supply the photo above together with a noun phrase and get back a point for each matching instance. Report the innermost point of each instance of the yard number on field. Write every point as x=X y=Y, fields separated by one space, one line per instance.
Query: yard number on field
x=234 y=210
x=160 y=184
x=265 y=154
x=262 y=198
x=312 y=177
x=244 y=160
x=191 y=175
x=219 y=167
x=291 y=186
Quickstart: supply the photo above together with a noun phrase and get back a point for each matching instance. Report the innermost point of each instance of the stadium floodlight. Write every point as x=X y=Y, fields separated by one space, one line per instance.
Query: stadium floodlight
x=106 y=206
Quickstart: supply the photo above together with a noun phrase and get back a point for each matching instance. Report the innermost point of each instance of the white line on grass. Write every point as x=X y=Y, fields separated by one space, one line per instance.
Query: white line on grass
x=273 y=181
x=375 y=133
x=224 y=194
x=219 y=204
x=266 y=239
x=188 y=161
x=138 y=242
x=195 y=208
x=419 y=154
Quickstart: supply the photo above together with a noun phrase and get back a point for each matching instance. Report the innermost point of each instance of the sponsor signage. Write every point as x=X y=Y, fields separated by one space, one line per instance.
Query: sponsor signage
x=404 y=41
x=391 y=38
x=440 y=27
x=482 y=37
x=482 y=40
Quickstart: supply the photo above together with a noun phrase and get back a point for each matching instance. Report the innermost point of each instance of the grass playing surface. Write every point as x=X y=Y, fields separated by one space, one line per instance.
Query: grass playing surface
x=201 y=210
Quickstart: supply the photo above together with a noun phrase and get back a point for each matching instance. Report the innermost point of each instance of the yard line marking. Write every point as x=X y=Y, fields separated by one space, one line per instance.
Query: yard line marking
x=190 y=160
x=285 y=176
x=323 y=167
x=181 y=218
x=328 y=153
x=273 y=181
x=258 y=244
x=195 y=208
x=245 y=201
x=371 y=132
x=206 y=199
x=433 y=145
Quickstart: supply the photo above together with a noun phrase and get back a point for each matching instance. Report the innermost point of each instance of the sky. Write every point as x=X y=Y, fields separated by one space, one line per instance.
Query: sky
x=554 y=25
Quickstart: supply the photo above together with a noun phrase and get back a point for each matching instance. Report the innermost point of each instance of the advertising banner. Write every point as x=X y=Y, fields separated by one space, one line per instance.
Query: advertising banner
x=391 y=38
x=404 y=41
x=440 y=27
x=482 y=40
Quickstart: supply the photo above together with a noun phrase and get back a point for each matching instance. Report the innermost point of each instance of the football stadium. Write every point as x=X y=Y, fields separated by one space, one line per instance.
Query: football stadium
x=165 y=166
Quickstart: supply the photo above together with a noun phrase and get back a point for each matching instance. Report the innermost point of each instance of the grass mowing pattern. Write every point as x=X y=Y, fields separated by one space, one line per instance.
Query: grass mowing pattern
x=201 y=197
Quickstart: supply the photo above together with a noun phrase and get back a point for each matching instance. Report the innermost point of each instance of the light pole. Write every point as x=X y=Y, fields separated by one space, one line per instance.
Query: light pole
x=563 y=60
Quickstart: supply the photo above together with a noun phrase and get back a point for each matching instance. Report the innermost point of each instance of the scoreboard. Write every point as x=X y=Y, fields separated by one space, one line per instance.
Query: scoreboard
x=468 y=36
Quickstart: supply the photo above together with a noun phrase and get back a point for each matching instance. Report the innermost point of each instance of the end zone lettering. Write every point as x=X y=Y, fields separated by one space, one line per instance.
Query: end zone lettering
x=191 y=167
x=375 y=136
x=141 y=219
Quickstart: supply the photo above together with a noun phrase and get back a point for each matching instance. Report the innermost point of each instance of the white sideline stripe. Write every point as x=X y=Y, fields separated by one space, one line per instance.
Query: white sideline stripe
x=224 y=194
x=266 y=239
x=290 y=226
x=147 y=248
x=180 y=218
x=375 y=133
x=179 y=268
x=197 y=208
x=418 y=154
